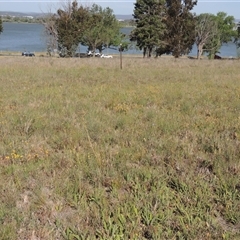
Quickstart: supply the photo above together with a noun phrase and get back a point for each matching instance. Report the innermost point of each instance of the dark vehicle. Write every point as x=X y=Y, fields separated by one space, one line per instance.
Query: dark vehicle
x=217 y=57
x=81 y=55
x=28 y=54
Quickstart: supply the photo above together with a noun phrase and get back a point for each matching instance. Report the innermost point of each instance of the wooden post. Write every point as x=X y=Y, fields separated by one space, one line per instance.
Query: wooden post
x=120 y=50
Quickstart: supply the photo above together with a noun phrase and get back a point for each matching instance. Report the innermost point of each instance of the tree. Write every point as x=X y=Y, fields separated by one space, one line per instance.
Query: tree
x=180 y=23
x=70 y=25
x=1 y=25
x=237 y=40
x=93 y=27
x=205 y=31
x=148 y=15
x=102 y=29
x=51 y=34
x=110 y=33
x=226 y=33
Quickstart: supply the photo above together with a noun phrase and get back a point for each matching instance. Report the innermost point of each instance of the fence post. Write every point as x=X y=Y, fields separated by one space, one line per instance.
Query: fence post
x=120 y=50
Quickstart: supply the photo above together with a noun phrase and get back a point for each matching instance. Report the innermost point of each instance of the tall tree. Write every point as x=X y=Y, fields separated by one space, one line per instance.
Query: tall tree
x=102 y=30
x=51 y=34
x=237 y=40
x=110 y=33
x=226 y=33
x=148 y=15
x=206 y=30
x=70 y=24
x=180 y=22
x=1 y=25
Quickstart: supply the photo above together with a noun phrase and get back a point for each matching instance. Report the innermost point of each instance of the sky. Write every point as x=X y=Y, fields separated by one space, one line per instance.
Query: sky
x=125 y=7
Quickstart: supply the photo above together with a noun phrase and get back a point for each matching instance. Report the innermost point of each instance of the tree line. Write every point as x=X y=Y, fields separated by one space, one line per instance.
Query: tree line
x=21 y=19
x=94 y=27
x=1 y=27
x=161 y=27
x=170 y=27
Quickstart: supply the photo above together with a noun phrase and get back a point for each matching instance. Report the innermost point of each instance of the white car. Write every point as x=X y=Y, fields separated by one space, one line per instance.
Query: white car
x=90 y=54
x=106 y=56
x=28 y=54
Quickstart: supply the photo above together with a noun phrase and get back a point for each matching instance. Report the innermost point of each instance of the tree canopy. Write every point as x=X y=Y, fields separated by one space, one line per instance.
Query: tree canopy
x=1 y=25
x=206 y=30
x=94 y=27
x=225 y=33
x=102 y=30
x=148 y=15
x=163 y=26
x=167 y=25
x=180 y=22
x=70 y=25
x=237 y=40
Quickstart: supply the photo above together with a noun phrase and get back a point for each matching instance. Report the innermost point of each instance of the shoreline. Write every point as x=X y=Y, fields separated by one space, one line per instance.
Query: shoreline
x=44 y=54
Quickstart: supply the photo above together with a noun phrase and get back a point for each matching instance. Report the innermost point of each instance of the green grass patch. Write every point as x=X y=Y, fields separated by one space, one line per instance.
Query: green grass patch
x=89 y=151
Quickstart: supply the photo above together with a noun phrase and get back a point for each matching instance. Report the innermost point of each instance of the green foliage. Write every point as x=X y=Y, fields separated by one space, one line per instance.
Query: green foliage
x=206 y=30
x=149 y=29
x=94 y=27
x=102 y=29
x=165 y=25
x=180 y=23
x=226 y=26
x=70 y=25
x=225 y=33
x=237 y=40
x=1 y=27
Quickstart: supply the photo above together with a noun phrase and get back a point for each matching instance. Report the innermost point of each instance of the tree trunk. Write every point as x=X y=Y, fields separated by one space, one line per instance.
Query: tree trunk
x=149 y=52
x=200 y=51
x=211 y=55
x=94 y=50
x=144 y=51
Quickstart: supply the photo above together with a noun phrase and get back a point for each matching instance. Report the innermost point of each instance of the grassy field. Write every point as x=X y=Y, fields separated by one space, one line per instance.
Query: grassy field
x=89 y=151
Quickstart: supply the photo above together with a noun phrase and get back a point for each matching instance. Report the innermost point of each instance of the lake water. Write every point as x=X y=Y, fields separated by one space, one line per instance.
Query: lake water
x=21 y=37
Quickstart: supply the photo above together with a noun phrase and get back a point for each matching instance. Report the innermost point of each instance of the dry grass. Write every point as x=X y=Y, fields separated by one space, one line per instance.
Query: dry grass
x=89 y=151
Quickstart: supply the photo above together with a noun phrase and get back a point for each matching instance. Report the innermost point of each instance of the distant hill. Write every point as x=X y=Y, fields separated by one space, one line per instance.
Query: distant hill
x=21 y=14
x=34 y=14
x=124 y=17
